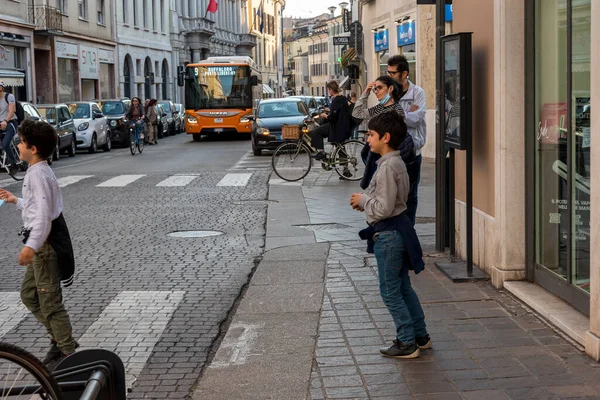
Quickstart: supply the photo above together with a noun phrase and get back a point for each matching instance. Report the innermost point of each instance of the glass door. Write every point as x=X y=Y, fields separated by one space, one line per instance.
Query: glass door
x=562 y=148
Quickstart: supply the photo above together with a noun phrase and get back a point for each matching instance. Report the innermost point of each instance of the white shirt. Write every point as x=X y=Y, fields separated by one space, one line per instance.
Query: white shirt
x=41 y=203
x=415 y=121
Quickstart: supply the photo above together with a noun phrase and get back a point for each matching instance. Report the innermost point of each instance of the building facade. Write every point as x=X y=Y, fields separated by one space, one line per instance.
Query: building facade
x=536 y=206
x=17 y=49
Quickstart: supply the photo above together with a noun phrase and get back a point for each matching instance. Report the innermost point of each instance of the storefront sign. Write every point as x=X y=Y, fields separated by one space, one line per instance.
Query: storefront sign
x=66 y=50
x=88 y=62
x=381 y=40
x=406 y=33
x=7 y=57
x=106 y=56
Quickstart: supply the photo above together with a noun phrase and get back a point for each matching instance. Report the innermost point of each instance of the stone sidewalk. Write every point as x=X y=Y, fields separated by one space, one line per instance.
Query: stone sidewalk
x=486 y=345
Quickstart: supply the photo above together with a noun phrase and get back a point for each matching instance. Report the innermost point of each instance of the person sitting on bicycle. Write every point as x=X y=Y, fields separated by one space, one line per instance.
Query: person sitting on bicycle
x=136 y=114
x=9 y=123
x=337 y=126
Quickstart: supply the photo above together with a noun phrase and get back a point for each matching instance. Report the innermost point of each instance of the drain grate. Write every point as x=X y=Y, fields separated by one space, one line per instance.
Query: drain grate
x=194 y=234
x=425 y=220
x=322 y=227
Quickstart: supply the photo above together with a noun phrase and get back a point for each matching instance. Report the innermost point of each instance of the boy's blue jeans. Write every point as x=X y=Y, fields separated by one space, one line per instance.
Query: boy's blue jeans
x=394 y=284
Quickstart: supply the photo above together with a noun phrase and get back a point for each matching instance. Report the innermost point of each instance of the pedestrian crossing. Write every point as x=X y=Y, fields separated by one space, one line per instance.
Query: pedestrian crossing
x=126 y=180
x=250 y=162
x=130 y=325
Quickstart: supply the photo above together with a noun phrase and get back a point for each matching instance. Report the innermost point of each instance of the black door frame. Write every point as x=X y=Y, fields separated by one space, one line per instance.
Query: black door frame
x=536 y=272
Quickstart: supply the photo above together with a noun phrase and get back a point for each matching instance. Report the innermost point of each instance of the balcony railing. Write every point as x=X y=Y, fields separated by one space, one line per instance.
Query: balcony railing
x=247 y=39
x=45 y=18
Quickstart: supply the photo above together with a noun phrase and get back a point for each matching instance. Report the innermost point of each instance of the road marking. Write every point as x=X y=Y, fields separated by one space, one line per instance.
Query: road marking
x=12 y=311
x=69 y=180
x=120 y=181
x=83 y=163
x=177 y=180
x=236 y=345
x=235 y=180
x=131 y=325
x=7 y=182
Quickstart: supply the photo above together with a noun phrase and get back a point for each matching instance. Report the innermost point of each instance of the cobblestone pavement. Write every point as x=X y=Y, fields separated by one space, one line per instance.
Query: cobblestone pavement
x=485 y=344
x=156 y=300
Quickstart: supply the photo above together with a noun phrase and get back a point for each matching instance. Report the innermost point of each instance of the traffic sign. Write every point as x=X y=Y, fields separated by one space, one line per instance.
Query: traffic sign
x=341 y=40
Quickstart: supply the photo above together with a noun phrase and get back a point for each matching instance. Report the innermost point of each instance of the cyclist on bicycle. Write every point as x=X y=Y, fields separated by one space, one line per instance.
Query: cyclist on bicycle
x=337 y=126
x=9 y=123
x=136 y=115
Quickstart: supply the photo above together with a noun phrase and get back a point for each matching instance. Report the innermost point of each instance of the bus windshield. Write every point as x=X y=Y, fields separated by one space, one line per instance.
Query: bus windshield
x=223 y=86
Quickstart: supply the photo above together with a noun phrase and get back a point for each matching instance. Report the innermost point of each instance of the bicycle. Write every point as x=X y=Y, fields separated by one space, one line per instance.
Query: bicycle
x=85 y=375
x=17 y=170
x=293 y=159
x=136 y=137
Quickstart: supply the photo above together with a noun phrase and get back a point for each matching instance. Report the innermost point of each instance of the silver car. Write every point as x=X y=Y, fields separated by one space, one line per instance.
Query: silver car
x=91 y=126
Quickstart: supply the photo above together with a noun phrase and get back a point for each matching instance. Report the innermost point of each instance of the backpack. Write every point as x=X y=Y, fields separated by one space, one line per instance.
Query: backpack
x=19 y=111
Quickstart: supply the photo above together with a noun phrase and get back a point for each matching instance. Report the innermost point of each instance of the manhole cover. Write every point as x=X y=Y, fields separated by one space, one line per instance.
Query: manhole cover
x=425 y=220
x=320 y=227
x=194 y=234
x=254 y=202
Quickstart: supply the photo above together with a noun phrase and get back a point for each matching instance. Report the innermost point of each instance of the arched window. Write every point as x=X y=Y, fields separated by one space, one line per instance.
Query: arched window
x=165 y=79
x=127 y=68
x=148 y=78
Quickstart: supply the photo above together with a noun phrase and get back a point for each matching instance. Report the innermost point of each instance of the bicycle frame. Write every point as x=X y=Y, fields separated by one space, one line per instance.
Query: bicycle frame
x=329 y=162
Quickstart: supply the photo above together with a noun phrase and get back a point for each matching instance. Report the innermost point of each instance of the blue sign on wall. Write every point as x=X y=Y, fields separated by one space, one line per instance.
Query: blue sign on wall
x=407 y=33
x=448 y=12
x=381 y=40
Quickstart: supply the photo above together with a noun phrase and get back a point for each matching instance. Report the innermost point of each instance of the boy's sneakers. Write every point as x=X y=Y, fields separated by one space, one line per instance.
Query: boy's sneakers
x=424 y=342
x=401 y=350
x=53 y=353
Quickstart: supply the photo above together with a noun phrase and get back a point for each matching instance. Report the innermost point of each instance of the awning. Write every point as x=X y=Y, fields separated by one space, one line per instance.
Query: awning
x=12 y=78
x=346 y=82
x=267 y=89
x=348 y=55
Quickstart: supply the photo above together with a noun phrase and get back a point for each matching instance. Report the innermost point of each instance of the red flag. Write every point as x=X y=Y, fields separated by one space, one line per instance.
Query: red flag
x=212 y=6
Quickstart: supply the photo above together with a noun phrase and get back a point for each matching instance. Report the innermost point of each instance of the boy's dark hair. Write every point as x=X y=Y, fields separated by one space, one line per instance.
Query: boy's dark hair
x=388 y=81
x=390 y=122
x=399 y=61
x=39 y=134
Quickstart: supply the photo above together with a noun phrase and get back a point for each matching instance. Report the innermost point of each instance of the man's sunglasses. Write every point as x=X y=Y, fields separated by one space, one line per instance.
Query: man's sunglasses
x=392 y=72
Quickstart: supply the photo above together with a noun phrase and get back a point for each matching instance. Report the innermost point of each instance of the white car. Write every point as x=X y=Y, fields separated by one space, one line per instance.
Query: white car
x=91 y=126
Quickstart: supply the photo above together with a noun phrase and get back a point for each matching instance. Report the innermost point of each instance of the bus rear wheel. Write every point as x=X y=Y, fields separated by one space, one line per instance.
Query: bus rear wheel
x=197 y=137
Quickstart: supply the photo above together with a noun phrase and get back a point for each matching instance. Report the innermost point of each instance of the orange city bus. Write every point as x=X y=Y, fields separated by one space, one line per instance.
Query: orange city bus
x=220 y=93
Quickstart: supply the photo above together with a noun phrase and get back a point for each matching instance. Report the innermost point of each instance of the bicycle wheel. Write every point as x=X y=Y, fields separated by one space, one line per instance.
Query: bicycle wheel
x=291 y=161
x=347 y=161
x=18 y=171
x=140 y=145
x=23 y=376
x=132 y=142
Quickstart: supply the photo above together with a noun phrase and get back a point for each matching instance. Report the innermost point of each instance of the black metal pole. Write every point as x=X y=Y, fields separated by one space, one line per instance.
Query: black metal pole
x=440 y=161
x=451 y=206
x=469 y=133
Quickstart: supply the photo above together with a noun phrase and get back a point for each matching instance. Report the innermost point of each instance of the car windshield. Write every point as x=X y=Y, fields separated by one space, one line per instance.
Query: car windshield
x=80 y=111
x=48 y=113
x=283 y=109
x=166 y=106
x=113 y=108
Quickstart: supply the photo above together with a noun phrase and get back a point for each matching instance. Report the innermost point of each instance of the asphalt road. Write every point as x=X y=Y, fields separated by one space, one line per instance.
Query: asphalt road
x=157 y=301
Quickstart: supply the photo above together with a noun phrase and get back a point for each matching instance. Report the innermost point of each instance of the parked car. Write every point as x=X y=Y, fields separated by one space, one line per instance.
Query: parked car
x=271 y=115
x=162 y=128
x=170 y=110
x=179 y=121
x=60 y=118
x=310 y=102
x=114 y=110
x=92 y=126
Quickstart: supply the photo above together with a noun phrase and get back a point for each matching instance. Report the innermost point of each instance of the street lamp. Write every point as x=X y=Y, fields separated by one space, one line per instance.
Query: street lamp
x=343 y=5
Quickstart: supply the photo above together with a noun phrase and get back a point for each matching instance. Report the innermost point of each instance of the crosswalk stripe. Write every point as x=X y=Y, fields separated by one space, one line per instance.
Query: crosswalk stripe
x=12 y=311
x=69 y=180
x=235 y=180
x=177 y=180
x=131 y=325
x=120 y=181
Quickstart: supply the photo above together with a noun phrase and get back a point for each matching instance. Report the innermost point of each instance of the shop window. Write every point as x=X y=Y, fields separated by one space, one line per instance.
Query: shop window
x=383 y=59
x=563 y=136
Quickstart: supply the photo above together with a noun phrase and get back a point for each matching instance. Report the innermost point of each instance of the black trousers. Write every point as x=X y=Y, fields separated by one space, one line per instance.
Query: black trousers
x=318 y=134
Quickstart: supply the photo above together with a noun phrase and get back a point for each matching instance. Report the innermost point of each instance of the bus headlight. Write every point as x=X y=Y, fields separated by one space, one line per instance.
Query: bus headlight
x=192 y=120
x=245 y=119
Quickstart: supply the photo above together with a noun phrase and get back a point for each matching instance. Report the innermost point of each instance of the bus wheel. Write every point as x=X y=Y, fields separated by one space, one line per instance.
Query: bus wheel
x=197 y=137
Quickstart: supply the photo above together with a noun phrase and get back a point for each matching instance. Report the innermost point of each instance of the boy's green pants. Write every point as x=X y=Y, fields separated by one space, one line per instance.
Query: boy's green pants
x=42 y=295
